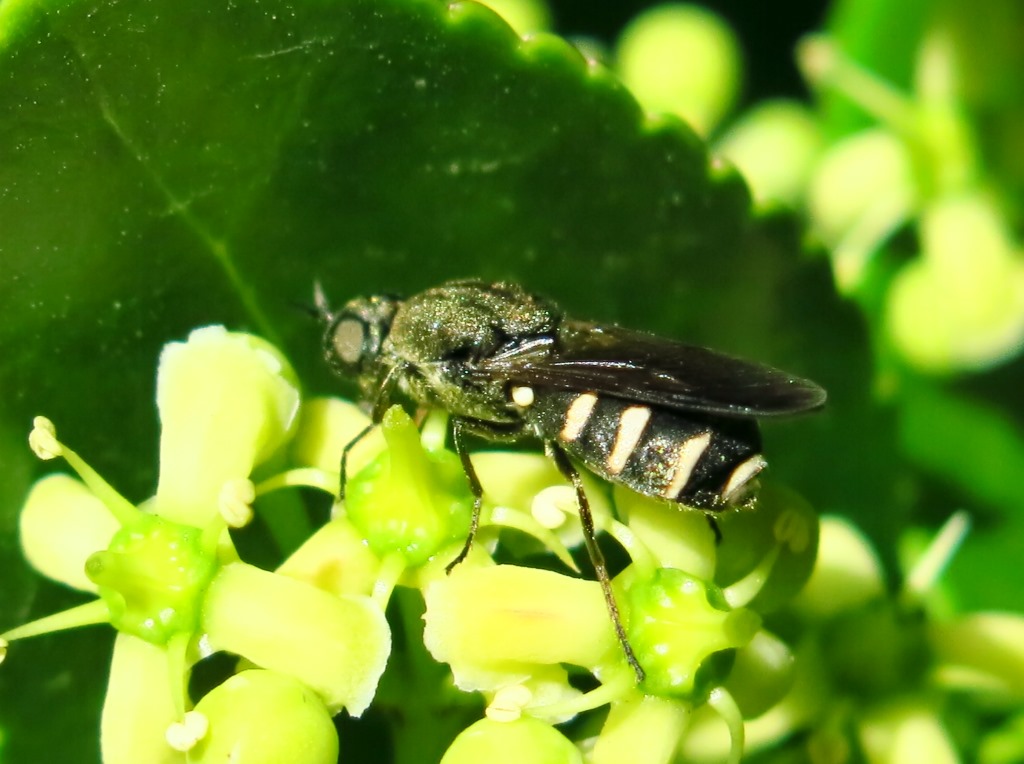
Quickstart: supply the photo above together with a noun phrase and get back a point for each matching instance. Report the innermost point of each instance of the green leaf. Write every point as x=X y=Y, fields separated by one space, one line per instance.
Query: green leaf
x=177 y=164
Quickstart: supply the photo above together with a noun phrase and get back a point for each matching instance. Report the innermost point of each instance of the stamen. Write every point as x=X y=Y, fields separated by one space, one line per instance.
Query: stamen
x=235 y=502
x=434 y=431
x=3 y=649
x=644 y=560
x=84 y=615
x=43 y=439
x=827 y=66
x=616 y=684
x=937 y=556
x=742 y=592
x=550 y=506
x=183 y=736
x=392 y=567
x=724 y=703
x=792 y=530
x=508 y=703
x=309 y=477
x=506 y=517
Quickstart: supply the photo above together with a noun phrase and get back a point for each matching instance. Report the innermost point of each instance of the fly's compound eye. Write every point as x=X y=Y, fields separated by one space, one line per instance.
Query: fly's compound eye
x=348 y=344
x=348 y=340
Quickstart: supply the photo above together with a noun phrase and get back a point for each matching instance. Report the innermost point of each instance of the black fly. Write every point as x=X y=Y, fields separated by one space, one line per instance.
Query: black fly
x=670 y=421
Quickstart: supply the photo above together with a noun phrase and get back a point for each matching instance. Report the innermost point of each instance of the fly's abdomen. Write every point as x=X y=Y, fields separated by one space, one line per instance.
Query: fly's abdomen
x=699 y=460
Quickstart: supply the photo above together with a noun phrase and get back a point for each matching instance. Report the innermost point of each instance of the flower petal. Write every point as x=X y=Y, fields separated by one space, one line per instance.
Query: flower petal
x=139 y=706
x=906 y=730
x=642 y=723
x=981 y=652
x=338 y=646
x=326 y=426
x=61 y=524
x=494 y=625
x=682 y=540
x=335 y=559
x=227 y=401
x=847 y=573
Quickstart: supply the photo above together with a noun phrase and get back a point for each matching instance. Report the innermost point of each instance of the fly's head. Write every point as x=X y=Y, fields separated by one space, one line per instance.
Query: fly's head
x=354 y=335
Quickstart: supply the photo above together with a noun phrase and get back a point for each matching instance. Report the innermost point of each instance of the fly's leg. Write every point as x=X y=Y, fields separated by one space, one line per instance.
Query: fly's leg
x=343 y=468
x=713 y=523
x=596 y=556
x=474 y=487
x=380 y=405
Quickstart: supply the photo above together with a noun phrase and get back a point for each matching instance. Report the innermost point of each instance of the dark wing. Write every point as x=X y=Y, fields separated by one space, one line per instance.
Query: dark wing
x=647 y=369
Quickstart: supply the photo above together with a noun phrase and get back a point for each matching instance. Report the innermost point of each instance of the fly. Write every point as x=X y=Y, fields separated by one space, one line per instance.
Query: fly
x=670 y=421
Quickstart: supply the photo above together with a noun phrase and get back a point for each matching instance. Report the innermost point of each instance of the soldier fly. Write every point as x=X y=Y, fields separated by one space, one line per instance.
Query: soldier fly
x=667 y=420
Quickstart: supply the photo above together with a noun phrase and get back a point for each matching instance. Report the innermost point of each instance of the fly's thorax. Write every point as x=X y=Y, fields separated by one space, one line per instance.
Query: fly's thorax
x=443 y=385
x=467 y=321
x=440 y=337
x=703 y=461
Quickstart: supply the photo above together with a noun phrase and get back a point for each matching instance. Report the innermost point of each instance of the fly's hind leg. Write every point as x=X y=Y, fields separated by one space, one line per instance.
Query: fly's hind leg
x=587 y=520
x=567 y=469
x=715 y=528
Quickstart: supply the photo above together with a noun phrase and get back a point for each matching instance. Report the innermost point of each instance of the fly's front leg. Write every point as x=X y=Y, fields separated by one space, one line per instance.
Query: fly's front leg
x=343 y=468
x=380 y=405
x=567 y=469
x=474 y=487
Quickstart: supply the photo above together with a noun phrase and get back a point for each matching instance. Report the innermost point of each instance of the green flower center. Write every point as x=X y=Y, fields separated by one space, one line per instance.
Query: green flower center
x=152 y=578
x=681 y=628
x=409 y=500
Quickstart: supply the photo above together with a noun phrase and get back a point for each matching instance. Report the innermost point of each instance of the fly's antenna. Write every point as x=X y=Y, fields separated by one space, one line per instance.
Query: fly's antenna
x=320 y=309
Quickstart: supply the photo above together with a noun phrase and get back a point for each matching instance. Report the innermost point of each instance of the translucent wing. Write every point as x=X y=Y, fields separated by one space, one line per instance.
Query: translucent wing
x=648 y=369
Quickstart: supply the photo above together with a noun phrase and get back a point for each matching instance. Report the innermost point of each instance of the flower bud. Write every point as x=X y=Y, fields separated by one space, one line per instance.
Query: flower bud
x=775 y=145
x=684 y=60
x=523 y=740
x=961 y=305
x=263 y=717
x=642 y=722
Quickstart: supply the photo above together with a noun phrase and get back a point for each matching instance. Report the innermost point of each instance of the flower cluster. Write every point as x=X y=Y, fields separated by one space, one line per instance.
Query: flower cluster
x=311 y=637
x=732 y=650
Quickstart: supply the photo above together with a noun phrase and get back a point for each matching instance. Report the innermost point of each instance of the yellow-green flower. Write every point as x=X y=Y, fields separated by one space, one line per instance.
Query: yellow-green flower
x=880 y=674
x=167 y=573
